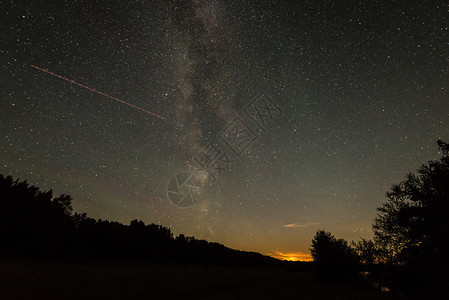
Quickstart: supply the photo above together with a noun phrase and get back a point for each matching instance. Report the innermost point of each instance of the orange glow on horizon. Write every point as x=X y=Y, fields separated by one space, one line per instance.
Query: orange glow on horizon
x=291 y=256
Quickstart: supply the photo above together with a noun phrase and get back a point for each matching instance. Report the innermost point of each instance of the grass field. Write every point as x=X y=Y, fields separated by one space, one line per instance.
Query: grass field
x=64 y=280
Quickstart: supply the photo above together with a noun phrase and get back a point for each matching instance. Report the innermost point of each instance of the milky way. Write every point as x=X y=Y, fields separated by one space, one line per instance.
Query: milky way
x=359 y=93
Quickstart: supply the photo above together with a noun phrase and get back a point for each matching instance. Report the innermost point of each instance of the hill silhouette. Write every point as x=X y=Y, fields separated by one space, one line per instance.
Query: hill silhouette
x=50 y=252
x=35 y=224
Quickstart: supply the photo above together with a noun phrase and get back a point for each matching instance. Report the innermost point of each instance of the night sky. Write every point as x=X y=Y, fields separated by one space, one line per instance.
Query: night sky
x=281 y=117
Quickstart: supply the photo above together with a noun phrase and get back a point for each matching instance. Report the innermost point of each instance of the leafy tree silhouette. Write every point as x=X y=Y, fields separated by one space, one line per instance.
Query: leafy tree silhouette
x=334 y=258
x=368 y=252
x=412 y=229
x=33 y=222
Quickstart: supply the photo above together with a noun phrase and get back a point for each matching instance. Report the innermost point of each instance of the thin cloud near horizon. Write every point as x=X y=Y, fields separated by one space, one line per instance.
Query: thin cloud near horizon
x=298 y=225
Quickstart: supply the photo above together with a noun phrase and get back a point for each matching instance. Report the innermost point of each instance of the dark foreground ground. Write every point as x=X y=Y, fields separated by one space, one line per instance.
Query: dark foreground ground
x=64 y=280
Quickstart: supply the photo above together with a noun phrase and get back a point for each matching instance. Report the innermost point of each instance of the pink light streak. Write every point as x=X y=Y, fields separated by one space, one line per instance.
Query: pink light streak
x=98 y=92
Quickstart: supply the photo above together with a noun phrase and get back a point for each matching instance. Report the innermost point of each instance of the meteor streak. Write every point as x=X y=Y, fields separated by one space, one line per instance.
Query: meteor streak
x=98 y=92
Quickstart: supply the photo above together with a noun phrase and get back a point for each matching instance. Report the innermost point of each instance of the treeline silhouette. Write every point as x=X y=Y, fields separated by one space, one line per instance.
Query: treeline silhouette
x=409 y=254
x=34 y=224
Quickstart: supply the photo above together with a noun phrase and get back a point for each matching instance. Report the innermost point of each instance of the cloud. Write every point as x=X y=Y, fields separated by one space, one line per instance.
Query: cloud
x=298 y=225
x=291 y=256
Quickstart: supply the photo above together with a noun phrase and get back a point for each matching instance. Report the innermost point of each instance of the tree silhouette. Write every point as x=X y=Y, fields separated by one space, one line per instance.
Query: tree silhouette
x=333 y=257
x=367 y=251
x=34 y=224
x=412 y=227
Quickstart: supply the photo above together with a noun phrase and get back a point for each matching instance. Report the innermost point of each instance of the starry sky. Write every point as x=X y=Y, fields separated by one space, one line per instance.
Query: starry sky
x=355 y=96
